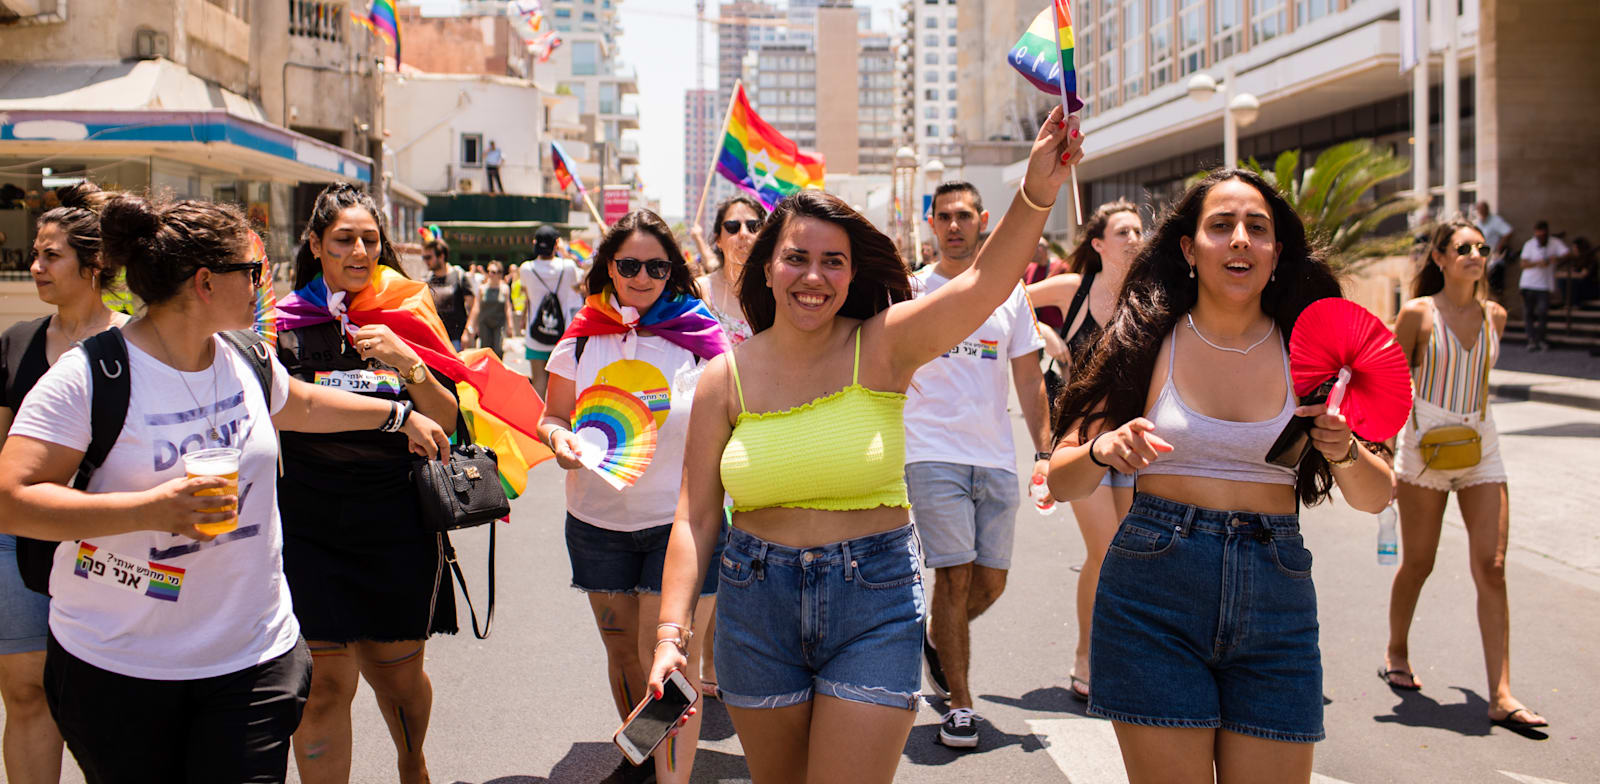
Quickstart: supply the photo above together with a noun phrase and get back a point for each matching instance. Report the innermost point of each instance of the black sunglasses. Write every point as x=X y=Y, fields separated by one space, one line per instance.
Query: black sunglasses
x=655 y=268
x=255 y=268
x=1466 y=248
x=732 y=226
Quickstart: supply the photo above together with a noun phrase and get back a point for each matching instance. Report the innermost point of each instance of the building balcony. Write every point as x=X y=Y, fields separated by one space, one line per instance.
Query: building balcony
x=493 y=208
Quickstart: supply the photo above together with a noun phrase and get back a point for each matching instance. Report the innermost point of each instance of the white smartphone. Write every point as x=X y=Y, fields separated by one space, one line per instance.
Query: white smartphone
x=649 y=723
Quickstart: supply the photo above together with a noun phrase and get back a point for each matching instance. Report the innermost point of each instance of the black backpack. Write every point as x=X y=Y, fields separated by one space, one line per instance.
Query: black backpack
x=548 y=323
x=108 y=408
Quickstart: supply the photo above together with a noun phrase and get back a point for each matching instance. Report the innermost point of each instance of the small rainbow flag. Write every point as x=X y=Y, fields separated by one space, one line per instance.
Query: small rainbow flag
x=991 y=348
x=1044 y=54
x=582 y=250
x=384 y=19
x=562 y=166
x=762 y=161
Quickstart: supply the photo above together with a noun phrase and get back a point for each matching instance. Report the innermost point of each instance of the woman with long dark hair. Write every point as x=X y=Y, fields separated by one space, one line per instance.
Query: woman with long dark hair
x=71 y=274
x=369 y=581
x=1188 y=389
x=1451 y=335
x=809 y=441
x=1089 y=293
x=645 y=333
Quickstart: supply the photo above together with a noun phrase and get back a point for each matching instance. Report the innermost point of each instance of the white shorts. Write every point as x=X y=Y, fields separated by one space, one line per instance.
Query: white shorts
x=1409 y=465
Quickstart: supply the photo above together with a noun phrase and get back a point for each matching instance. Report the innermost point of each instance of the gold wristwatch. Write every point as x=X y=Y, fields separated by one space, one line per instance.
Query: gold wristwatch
x=1349 y=458
x=417 y=374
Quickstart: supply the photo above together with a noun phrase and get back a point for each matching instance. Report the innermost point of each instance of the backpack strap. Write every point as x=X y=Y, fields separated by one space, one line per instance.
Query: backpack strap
x=110 y=391
x=1078 y=300
x=578 y=344
x=253 y=348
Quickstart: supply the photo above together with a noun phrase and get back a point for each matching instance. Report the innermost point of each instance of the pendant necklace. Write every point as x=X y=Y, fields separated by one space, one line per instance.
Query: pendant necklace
x=204 y=411
x=1240 y=351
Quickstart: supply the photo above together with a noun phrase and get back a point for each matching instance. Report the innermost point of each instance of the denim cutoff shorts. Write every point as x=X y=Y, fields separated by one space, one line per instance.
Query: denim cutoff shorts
x=1115 y=478
x=963 y=513
x=1208 y=619
x=607 y=561
x=24 y=615
x=843 y=619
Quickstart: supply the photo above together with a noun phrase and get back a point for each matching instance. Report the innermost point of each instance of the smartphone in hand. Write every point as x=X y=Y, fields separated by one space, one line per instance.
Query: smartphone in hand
x=649 y=723
x=1295 y=440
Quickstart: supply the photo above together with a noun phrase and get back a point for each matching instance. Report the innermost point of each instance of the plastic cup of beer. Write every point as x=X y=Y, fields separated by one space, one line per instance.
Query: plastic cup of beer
x=223 y=462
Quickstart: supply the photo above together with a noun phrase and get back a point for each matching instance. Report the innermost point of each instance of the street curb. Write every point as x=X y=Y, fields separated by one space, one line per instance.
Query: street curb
x=1532 y=392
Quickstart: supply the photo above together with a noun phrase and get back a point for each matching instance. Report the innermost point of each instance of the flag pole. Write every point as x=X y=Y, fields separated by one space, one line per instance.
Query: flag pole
x=590 y=204
x=1077 y=203
x=711 y=171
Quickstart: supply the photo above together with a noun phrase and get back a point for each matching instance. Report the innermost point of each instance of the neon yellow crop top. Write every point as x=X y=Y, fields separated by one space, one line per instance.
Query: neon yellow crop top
x=840 y=452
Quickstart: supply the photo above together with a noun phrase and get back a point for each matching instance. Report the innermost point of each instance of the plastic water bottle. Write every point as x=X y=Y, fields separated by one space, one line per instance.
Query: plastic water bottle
x=1040 y=493
x=1388 y=538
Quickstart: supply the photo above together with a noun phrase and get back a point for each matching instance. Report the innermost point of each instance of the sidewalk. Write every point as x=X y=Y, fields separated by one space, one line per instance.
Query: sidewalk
x=1564 y=377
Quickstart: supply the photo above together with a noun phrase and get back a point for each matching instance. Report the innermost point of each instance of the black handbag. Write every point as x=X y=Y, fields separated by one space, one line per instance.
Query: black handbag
x=461 y=492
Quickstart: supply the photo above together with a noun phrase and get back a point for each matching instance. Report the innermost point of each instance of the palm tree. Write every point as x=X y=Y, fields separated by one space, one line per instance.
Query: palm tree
x=1335 y=200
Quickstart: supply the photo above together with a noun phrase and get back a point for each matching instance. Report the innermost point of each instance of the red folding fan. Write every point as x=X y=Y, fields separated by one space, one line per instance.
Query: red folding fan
x=1335 y=338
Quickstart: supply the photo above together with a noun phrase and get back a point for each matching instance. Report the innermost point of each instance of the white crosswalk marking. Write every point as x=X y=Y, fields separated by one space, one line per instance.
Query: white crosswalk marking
x=1086 y=751
x=1525 y=779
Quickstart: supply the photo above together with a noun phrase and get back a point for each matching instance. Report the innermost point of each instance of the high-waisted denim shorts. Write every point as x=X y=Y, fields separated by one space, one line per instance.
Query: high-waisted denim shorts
x=1205 y=618
x=843 y=619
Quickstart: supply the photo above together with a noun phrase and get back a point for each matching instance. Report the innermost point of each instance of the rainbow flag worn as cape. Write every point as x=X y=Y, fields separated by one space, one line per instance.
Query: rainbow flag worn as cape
x=682 y=320
x=384 y=19
x=500 y=406
x=1044 y=54
x=765 y=163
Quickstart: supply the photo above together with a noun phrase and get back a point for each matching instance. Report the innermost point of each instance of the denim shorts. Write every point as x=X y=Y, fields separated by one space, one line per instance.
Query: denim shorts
x=607 y=561
x=844 y=619
x=1115 y=478
x=1207 y=619
x=964 y=514
x=24 y=615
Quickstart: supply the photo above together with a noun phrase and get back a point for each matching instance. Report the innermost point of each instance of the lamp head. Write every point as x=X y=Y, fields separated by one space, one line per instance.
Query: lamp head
x=1202 y=86
x=1246 y=108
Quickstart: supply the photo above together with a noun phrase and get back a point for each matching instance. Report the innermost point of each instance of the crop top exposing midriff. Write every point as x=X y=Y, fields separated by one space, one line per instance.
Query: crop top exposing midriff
x=840 y=452
x=1217 y=448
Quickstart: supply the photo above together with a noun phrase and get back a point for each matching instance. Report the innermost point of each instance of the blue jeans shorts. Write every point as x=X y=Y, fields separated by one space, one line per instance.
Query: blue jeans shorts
x=1115 y=478
x=606 y=561
x=844 y=619
x=1208 y=619
x=964 y=514
x=24 y=615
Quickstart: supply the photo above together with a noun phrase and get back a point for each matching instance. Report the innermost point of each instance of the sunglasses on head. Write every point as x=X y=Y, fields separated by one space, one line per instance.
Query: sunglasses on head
x=732 y=226
x=1466 y=248
x=255 y=268
x=655 y=268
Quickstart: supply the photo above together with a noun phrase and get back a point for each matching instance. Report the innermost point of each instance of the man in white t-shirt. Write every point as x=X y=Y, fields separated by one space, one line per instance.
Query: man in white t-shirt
x=960 y=459
x=550 y=301
x=1540 y=256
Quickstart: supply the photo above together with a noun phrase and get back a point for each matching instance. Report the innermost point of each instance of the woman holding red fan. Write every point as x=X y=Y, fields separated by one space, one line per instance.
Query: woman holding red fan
x=1204 y=646
x=1451 y=337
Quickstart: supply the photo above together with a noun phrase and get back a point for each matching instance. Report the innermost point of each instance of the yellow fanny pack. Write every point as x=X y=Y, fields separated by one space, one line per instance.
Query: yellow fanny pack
x=1453 y=447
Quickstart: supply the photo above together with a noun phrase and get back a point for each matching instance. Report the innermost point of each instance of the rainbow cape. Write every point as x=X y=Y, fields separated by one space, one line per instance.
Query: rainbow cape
x=1044 y=54
x=382 y=18
x=682 y=320
x=765 y=163
x=501 y=409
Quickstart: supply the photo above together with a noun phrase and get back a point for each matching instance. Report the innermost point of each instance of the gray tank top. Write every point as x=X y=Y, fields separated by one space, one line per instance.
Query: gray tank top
x=1218 y=448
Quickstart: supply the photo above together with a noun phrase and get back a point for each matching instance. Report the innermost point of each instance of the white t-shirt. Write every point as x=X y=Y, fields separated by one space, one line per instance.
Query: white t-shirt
x=956 y=407
x=661 y=374
x=538 y=276
x=1495 y=228
x=1541 y=278
x=231 y=609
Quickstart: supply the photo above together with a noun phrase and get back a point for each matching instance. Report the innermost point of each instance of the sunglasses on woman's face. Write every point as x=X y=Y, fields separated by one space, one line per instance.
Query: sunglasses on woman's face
x=732 y=226
x=655 y=268
x=1467 y=248
x=255 y=268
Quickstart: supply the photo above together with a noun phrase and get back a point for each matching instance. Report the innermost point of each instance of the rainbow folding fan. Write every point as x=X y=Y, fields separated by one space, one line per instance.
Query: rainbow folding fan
x=616 y=433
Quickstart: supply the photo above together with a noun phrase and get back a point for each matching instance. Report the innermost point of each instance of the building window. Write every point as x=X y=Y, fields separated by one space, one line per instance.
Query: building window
x=951 y=22
x=951 y=40
x=563 y=13
x=1307 y=10
x=1108 y=77
x=931 y=40
x=322 y=21
x=932 y=77
x=951 y=131
x=951 y=77
x=1160 y=42
x=585 y=58
x=1227 y=28
x=609 y=99
x=932 y=131
x=932 y=23
x=1268 y=21
x=930 y=94
x=931 y=58
x=952 y=113
x=471 y=150
x=1133 y=49
x=951 y=58
x=951 y=94
x=1191 y=36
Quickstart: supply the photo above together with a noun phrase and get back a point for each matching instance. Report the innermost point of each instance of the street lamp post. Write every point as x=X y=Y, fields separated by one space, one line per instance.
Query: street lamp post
x=901 y=187
x=1238 y=109
x=933 y=172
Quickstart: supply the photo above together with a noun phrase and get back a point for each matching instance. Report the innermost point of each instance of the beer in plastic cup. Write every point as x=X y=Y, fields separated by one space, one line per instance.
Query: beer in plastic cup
x=223 y=462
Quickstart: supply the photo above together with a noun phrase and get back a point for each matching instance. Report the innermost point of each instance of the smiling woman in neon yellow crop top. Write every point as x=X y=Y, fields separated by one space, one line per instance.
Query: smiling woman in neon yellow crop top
x=801 y=425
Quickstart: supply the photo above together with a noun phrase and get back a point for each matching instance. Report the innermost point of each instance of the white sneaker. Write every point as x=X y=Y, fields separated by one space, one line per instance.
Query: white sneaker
x=960 y=729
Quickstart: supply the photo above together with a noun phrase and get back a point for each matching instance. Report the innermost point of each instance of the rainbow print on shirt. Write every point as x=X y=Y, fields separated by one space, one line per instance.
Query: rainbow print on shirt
x=990 y=348
x=657 y=400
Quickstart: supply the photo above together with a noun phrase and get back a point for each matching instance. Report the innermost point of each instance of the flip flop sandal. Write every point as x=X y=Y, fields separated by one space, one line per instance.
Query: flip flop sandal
x=1386 y=676
x=710 y=689
x=1509 y=722
x=1080 y=696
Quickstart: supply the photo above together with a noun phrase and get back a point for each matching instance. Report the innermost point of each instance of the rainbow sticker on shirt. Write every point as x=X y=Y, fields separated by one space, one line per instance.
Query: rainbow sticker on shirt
x=155 y=580
x=990 y=348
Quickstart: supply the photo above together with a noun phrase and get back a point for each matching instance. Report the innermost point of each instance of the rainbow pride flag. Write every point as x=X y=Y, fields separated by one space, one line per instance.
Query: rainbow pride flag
x=1044 y=54
x=562 y=166
x=765 y=163
x=383 y=18
x=582 y=250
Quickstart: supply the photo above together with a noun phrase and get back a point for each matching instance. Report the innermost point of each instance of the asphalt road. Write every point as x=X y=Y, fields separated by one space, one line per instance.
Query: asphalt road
x=529 y=704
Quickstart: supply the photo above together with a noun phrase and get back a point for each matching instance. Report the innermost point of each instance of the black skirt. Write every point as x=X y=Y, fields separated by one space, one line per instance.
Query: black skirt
x=359 y=563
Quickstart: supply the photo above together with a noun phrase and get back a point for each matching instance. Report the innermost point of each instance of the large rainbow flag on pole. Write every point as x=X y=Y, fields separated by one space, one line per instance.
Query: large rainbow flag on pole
x=1044 y=54
x=762 y=161
x=383 y=18
x=562 y=166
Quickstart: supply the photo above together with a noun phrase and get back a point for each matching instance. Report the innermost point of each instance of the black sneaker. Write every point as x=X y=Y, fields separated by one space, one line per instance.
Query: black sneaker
x=960 y=729
x=936 y=679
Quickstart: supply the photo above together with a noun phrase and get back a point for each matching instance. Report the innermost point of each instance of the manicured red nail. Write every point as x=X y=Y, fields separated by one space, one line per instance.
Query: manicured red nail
x=1065 y=158
x=1061 y=123
x=1075 y=133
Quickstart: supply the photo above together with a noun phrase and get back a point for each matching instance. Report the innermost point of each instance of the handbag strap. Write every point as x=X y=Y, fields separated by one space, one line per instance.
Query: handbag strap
x=1079 y=298
x=449 y=554
x=1483 y=384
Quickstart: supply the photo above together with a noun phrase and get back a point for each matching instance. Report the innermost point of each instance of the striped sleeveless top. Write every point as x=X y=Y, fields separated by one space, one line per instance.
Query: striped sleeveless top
x=1449 y=375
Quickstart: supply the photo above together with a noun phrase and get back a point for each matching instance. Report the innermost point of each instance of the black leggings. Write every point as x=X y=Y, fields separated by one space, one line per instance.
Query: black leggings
x=228 y=728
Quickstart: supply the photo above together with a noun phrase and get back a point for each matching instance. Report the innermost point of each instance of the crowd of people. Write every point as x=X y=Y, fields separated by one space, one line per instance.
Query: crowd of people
x=827 y=424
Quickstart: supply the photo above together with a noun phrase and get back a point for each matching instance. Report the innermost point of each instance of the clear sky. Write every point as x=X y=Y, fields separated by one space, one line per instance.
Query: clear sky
x=658 y=40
